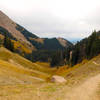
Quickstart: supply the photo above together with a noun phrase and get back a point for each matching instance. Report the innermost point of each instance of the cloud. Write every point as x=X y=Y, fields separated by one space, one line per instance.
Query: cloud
x=71 y=19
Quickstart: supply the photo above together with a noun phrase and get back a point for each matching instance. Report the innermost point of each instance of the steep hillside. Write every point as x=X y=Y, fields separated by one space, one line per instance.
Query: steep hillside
x=64 y=43
x=19 y=33
x=44 y=43
x=48 y=44
x=10 y=26
x=13 y=62
x=87 y=48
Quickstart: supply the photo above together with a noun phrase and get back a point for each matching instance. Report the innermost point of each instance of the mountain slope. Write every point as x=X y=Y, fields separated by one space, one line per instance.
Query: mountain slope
x=13 y=63
x=19 y=33
x=44 y=43
x=64 y=43
x=10 y=26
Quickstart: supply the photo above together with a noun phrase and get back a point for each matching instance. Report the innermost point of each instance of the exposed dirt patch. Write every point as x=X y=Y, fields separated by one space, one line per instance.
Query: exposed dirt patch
x=86 y=91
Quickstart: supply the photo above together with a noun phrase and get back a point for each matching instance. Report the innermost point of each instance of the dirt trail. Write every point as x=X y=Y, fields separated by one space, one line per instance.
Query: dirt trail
x=86 y=91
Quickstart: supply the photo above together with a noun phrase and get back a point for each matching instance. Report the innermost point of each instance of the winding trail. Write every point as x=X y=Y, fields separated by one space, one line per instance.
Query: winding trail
x=85 y=91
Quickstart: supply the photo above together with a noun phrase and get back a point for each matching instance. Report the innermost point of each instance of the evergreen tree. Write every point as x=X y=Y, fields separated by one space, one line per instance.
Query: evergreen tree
x=8 y=43
x=75 y=55
x=89 y=45
x=57 y=59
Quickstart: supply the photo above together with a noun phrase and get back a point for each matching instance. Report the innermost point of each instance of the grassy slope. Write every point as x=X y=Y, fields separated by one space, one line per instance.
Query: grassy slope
x=43 y=70
x=7 y=56
x=51 y=91
x=15 y=69
x=81 y=72
x=11 y=74
x=18 y=67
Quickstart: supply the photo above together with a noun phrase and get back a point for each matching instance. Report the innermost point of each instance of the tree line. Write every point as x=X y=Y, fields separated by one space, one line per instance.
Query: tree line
x=7 y=43
x=85 y=49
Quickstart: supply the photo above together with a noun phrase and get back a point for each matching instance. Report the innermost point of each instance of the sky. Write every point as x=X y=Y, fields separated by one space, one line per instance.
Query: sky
x=70 y=19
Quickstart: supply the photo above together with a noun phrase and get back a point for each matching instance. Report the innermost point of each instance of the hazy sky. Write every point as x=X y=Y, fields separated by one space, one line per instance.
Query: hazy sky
x=71 y=19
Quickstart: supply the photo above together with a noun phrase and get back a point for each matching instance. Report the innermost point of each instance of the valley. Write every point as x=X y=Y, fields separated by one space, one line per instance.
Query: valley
x=28 y=64
x=22 y=80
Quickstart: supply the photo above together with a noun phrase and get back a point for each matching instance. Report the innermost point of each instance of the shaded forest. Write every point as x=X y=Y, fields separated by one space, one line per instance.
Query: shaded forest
x=85 y=49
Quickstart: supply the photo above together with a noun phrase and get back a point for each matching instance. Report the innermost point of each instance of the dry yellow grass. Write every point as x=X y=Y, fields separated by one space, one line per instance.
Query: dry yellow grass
x=44 y=64
x=20 y=62
x=20 y=79
x=11 y=74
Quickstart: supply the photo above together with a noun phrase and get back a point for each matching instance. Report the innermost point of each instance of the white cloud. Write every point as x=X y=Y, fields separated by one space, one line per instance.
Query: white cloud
x=49 y=18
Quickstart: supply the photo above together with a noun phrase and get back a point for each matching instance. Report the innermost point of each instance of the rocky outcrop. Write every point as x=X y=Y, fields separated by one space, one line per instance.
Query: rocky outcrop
x=58 y=79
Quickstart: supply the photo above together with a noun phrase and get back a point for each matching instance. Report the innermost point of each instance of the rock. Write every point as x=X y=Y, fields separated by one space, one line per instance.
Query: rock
x=58 y=79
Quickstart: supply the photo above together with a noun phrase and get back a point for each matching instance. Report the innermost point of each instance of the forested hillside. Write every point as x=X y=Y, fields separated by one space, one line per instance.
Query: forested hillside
x=28 y=44
x=84 y=49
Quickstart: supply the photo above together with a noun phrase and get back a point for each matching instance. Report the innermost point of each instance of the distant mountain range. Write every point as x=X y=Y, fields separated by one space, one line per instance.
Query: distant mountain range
x=27 y=39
